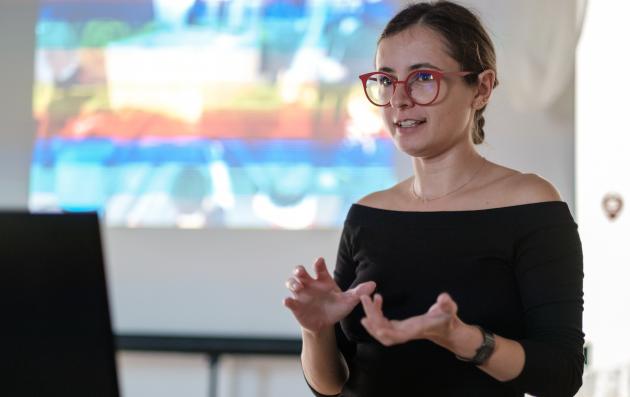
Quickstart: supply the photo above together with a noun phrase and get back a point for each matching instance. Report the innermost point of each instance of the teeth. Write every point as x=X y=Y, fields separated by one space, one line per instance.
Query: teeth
x=408 y=123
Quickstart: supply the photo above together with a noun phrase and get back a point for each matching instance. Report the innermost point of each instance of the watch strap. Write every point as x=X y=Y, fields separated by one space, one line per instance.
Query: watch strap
x=484 y=351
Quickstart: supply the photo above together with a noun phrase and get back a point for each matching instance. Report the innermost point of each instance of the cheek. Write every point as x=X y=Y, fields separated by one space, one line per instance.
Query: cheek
x=455 y=110
x=456 y=120
x=386 y=117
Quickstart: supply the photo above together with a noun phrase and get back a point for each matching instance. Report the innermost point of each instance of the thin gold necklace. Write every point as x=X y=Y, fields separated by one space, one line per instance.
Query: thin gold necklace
x=427 y=199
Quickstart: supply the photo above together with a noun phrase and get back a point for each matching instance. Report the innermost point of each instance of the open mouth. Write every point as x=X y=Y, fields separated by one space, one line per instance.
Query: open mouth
x=408 y=123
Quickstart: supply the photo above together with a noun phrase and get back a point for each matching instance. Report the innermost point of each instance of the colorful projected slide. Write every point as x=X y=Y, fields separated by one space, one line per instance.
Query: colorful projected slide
x=207 y=113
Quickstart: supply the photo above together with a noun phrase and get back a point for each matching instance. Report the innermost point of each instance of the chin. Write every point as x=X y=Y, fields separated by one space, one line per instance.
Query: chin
x=411 y=150
x=411 y=147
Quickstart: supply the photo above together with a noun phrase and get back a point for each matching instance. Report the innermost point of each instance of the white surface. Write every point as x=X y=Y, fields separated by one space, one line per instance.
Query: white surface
x=208 y=281
x=603 y=165
x=168 y=375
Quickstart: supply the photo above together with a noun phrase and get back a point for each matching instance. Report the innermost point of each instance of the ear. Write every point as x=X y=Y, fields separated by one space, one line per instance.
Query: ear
x=485 y=86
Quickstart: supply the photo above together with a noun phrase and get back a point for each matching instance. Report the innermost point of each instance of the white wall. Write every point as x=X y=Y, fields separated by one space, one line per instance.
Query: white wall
x=603 y=164
x=232 y=282
x=17 y=128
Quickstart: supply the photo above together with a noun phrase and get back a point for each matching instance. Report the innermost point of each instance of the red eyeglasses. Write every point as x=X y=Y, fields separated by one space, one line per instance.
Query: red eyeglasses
x=422 y=86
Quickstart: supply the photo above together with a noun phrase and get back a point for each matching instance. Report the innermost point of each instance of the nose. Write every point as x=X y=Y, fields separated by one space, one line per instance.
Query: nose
x=400 y=99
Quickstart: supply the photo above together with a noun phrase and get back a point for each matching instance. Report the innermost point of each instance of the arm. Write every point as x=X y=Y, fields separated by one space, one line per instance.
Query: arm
x=505 y=363
x=319 y=304
x=548 y=267
x=324 y=367
x=549 y=271
x=442 y=326
x=547 y=263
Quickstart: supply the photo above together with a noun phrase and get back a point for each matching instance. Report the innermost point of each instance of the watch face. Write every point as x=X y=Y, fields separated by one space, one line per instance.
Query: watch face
x=486 y=349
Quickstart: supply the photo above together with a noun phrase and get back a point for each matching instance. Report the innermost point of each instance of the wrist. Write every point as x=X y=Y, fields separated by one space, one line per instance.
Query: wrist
x=321 y=333
x=484 y=351
x=463 y=340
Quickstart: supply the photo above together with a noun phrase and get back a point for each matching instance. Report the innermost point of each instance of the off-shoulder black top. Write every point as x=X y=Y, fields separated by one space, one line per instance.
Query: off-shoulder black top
x=516 y=271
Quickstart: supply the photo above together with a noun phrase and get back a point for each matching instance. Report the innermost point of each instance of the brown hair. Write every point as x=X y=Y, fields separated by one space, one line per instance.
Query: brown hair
x=466 y=39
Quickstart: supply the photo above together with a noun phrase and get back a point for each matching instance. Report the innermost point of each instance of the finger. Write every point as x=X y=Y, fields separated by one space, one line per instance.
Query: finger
x=291 y=304
x=354 y=295
x=441 y=303
x=373 y=308
x=294 y=285
x=370 y=310
x=321 y=272
x=444 y=297
x=301 y=274
x=378 y=315
x=446 y=303
x=378 y=303
x=368 y=306
x=289 y=284
x=366 y=288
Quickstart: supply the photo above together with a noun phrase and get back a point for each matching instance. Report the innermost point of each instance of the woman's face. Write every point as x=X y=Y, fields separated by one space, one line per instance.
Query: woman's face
x=445 y=123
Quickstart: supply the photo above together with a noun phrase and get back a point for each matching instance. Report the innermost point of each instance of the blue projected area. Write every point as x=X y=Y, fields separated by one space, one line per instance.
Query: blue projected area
x=215 y=113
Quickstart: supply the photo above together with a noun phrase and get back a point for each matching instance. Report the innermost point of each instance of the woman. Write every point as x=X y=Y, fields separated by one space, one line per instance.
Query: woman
x=469 y=274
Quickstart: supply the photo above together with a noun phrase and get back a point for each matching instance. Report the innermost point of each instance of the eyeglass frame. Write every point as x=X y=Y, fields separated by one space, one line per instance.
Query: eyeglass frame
x=438 y=74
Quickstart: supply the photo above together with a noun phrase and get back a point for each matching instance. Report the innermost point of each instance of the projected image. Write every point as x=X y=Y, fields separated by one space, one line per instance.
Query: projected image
x=207 y=113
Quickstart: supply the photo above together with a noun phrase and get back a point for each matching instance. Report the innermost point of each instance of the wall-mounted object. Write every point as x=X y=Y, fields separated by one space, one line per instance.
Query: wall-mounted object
x=612 y=203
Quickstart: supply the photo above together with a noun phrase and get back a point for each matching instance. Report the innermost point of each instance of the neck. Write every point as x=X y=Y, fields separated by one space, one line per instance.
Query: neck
x=440 y=176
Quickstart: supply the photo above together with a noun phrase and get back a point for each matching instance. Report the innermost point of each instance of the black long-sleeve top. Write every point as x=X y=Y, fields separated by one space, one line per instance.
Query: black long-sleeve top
x=516 y=271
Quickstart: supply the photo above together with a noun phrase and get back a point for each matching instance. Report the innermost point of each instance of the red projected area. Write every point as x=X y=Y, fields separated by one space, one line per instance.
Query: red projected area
x=199 y=113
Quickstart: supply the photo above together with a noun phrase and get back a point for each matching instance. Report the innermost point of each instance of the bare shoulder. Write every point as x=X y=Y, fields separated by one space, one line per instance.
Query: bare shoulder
x=385 y=199
x=531 y=188
x=374 y=199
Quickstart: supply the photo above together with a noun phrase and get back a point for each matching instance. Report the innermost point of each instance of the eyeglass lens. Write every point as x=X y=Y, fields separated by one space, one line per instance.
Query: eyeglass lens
x=422 y=87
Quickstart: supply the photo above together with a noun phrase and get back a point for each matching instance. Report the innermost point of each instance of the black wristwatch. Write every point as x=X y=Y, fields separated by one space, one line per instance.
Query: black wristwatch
x=484 y=351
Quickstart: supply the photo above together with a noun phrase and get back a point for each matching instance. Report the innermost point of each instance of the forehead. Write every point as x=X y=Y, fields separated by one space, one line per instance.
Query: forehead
x=415 y=45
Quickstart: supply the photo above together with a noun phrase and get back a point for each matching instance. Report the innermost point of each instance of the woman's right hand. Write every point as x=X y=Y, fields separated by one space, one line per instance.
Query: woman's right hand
x=318 y=302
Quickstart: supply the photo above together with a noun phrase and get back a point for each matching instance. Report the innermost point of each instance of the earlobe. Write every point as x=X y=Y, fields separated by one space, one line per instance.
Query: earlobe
x=484 y=90
x=481 y=102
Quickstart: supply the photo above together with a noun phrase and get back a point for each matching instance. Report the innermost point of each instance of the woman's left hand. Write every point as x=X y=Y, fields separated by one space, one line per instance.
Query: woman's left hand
x=437 y=324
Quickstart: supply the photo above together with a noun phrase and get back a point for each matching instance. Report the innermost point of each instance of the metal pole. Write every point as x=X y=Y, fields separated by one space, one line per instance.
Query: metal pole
x=213 y=360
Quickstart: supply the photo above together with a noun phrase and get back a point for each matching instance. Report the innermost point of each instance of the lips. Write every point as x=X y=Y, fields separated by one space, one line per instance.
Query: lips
x=409 y=123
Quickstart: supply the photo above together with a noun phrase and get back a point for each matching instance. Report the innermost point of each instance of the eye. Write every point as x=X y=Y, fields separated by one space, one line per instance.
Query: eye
x=384 y=80
x=424 y=76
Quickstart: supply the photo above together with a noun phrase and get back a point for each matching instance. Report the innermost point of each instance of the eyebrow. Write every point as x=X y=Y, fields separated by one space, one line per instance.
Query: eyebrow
x=415 y=66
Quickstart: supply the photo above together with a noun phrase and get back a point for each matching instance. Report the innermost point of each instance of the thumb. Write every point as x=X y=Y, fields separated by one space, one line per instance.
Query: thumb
x=366 y=288
x=446 y=303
